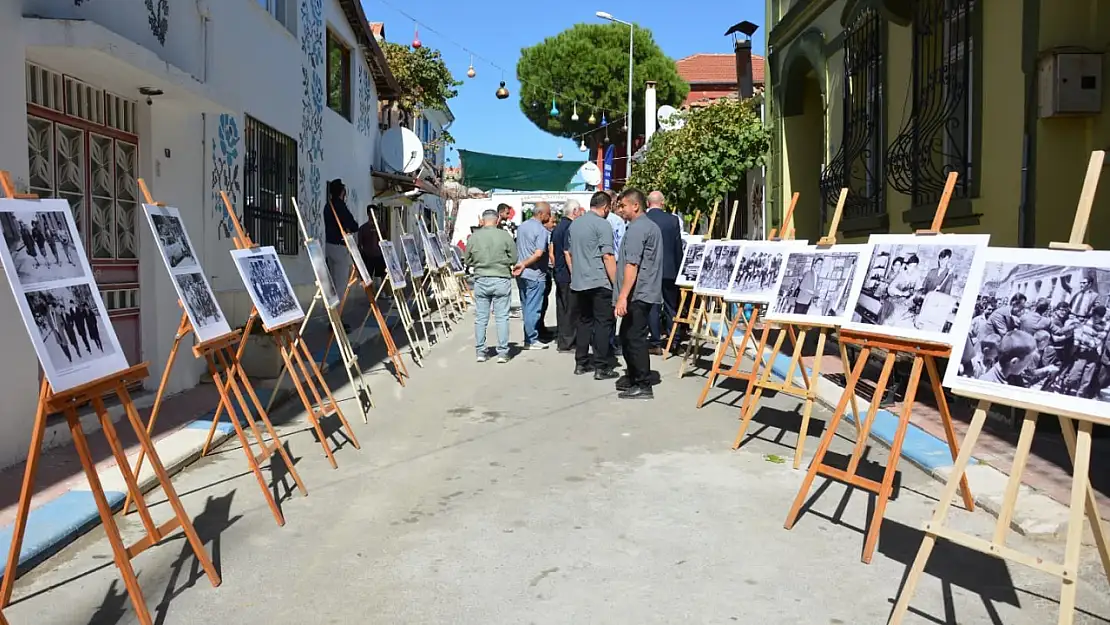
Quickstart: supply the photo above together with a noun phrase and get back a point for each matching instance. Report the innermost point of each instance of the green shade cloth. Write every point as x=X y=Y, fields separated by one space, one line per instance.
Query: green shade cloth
x=493 y=171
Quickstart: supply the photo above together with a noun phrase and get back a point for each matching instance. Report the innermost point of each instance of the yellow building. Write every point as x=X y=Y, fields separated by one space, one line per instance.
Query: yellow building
x=886 y=97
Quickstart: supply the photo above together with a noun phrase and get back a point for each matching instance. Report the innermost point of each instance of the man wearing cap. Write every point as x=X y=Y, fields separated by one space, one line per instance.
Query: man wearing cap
x=491 y=254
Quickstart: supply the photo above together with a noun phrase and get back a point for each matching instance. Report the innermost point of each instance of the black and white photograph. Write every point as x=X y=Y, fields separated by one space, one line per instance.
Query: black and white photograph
x=393 y=265
x=444 y=243
x=173 y=240
x=75 y=331
x=1038 y=330
x=319 y=262
x=412 y=255
x=434 y=251
x=820 y=284
x=200 y=303
x=691 y=262
x=356 y=256
x=758 y=270
x=456 y=261
x=717 y=265
x=915 y=285
x=268 y=286
x=41 y=245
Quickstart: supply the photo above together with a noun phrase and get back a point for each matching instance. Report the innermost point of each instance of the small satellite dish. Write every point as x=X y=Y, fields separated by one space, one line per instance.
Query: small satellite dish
x=666 y=117
x=402 y=150
x=591 y=173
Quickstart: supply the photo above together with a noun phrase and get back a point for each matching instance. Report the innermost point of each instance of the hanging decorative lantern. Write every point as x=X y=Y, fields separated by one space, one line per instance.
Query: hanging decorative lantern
x=416 y=37
x=559 y=155
x=603 y=122
x=582 y=147
x=574 y=115
x=502 y=92
x=592 y=120
x=554 y=109
x=606 y=134
x=470 y=73
x=624 y=126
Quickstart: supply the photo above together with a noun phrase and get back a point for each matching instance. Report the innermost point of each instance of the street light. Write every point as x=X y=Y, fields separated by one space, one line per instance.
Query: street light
x=631 y=32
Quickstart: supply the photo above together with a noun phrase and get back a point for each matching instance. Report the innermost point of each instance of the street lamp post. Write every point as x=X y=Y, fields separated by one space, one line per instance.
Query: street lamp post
x=628 y=120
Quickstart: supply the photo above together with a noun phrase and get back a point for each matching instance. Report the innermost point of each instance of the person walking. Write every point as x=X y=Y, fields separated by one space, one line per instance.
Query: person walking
x=490 y=254
x=532 y=238
x=593 y=269
x=639 y=287
x=566 y=305
x=337 y=221
x=671 y=230
x=546 y=334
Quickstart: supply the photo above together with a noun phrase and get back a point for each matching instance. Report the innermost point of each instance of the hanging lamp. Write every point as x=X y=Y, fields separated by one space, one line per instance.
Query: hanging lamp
x=582 y=147
x=592 y=120
x=574 y=115
x=416 y=36
x=554 y=109
x=603 y=122
x=502 y=92
x=559 y=155
x=606 y=131
x=470 y=73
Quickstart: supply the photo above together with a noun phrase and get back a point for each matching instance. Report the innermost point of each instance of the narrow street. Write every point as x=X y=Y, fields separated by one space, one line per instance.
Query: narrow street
x=520 y=493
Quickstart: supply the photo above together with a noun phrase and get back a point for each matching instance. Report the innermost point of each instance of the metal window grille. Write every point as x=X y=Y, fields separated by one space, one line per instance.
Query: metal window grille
x=269 y=188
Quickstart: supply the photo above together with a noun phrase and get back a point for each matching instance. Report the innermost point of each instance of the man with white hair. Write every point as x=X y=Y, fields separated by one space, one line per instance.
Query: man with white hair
x=670 y=226
x=491 y=254
x=566 y=305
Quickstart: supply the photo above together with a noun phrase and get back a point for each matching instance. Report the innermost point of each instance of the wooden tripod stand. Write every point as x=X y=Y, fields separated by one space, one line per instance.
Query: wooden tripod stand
x=686 y=315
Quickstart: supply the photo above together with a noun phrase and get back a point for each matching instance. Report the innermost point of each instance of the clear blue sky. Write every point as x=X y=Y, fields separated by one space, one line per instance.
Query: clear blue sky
x=498 y=29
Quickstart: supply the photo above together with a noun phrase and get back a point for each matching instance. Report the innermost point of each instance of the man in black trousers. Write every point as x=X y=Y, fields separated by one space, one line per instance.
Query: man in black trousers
x=593 y=270
x=670 y=228
x=566 y=305
x=639 y=286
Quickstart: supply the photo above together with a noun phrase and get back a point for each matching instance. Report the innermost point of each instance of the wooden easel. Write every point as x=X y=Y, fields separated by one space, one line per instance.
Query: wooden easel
x=346 y=352
x=924 y=356
x=299 y=363
x=230 y=380
x=686 y=315
x=67 y=402
x=434 y=278
x=404 y=313
x=1079 y=449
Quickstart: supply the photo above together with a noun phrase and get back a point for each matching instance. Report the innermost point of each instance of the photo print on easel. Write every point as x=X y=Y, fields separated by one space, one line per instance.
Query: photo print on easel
x=319 y=263
x=819 y=284
x=915 y=285
x=393 y=265
x=268 y=286
x=412 y=255
x=56 y=293
x=456 y=261
x=759 y=269
x=356 y=256
x=691 y=262
x=717 y=266
x=1038 y=330
x=436 y=259
x=188 y=278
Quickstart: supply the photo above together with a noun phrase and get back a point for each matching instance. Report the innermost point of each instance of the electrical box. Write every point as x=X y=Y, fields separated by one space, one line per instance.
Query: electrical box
x=1070 y=84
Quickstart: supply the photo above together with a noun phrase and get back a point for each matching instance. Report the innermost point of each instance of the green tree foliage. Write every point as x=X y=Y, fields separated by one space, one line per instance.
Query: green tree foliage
x=695 y=165
x=589 y=63
x=425 y=81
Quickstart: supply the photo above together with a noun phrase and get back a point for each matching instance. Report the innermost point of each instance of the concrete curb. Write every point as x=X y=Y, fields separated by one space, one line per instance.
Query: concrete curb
x=1036 y=514
x=62 y=520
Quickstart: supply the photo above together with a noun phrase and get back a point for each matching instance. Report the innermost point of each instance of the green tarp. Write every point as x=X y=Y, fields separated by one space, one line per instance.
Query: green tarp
x=510 y=173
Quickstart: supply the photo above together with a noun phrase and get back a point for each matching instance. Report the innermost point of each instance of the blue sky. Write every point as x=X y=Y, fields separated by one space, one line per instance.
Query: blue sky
x=498 y=29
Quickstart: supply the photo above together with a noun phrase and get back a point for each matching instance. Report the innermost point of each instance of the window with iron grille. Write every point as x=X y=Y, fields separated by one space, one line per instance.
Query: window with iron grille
x=269 y=188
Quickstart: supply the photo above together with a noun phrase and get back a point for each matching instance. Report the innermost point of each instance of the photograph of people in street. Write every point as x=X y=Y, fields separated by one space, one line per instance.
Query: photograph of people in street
x=914 y=288
x=758 y=270
x=818 y=283
x=412 y=255
x=456 y=261
x=433 y=248
x=71 y=326
x=41 y=246
x=268 y=286
x=172 y=238
x=393 y=265
x=691 y=264
x=208 y=320
x=360 y=262
x=717 y=266
x=319 y=262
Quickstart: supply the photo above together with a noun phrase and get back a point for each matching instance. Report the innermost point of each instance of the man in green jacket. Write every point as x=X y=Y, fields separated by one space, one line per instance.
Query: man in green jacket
x=491 y=255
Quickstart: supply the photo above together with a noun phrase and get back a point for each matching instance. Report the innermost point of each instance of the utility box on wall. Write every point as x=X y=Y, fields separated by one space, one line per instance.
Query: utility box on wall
x=1070 y=84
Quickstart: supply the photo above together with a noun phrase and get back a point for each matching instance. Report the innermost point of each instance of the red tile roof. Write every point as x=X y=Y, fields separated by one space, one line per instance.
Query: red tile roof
x=716 y=69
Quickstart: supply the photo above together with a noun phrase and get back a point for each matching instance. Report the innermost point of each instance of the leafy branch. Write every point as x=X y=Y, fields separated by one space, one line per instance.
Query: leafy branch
x=425 y=81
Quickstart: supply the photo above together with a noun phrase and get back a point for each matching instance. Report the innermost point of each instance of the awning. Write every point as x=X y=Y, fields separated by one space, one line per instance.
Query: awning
x=407 y=183
x=511 y=173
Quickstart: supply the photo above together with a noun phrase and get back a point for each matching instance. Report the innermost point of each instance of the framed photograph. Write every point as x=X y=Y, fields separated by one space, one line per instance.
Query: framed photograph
x=356 y=256
x=820 y=285
x=268 y=286
x=758 y=270
x=320 y=269
x=444 y=243
x=915 y=285
x=393 y=265
x=456 y=261
x=432 y=248
x=56 y=293
x=1036 y=331
x=692 y=255
x=717 y=266
x=188 y=277
x=412 y=255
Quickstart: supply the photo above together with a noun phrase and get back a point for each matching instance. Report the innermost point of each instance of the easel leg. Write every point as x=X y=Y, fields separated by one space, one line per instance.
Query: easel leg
x=1098 y=527
x=310 y=408
x=677 y=321
x=25 y=494
x=1013 y=484
x=331 y=398
x=757 y=362
x=949 y=429
x=811 y=397
x=747 y=411
x=864 y=431
x=711 y=379
x=846 y=365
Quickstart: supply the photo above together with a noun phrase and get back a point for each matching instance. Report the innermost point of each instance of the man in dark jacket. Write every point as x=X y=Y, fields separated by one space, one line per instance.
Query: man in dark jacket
x=671 y=227
x=338 y=221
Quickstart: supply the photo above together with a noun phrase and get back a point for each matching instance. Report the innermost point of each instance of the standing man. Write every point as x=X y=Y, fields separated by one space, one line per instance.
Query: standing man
x=807 y=290
x=490 y=254
x=532 y=238
x=338 y=220
x=546 y=334
x=566 y=306
x=616 y=220
x=639 y=287
x=593 y=269
x=941 y=277
x=671 y=229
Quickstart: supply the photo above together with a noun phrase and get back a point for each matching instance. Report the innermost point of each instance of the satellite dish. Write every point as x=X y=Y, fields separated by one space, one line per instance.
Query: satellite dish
x=666 y=118
x=591 y=173
x=402 y=150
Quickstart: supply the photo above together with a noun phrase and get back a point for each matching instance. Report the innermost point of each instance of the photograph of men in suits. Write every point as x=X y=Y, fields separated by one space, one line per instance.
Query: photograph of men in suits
x=807 y=287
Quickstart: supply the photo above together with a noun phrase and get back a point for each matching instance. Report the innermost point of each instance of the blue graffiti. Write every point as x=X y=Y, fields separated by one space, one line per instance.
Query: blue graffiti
x=225 y=170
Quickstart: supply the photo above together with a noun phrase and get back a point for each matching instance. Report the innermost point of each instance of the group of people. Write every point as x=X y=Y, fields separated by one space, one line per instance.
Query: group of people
x=43 y=235
x=760 y=270
x=73 y=324
x=1060 y=348
x=904 y=287
x=599 y=269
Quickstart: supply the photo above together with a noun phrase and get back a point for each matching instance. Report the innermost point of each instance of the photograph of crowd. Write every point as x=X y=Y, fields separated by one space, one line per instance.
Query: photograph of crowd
x=717 y=266
x=412 y=255
x=172 y=237
x=268 y=286
x=204 y=312
x=818 y=284
x=691 y=264
x=73 y=328
x=758 y=270
x=356 y=255
x=1040 y=329
x=432 y=247
x=456 y=261
x=914 y=289
x=41 y=245
x=393 y=265
x=319 y=262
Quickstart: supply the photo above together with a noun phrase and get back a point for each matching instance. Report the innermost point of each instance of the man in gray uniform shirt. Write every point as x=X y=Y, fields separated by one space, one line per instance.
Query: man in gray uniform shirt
x=639 y=286
x=593 y=269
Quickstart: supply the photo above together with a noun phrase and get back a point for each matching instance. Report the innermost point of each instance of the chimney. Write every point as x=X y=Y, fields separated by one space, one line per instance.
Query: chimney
x=649 y=110
x=743 y=50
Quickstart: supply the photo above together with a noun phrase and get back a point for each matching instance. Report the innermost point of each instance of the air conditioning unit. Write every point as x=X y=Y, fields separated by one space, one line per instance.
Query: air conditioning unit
x=1070 y=84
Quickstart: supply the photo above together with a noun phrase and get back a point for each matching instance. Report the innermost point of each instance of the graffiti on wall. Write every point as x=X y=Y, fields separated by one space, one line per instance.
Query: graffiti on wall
x=365 y=100
x=311 y=144
x=225 y=171
x=158 y=17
